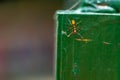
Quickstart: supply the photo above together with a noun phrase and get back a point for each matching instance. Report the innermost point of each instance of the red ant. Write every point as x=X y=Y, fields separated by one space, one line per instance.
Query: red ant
x=74 y=28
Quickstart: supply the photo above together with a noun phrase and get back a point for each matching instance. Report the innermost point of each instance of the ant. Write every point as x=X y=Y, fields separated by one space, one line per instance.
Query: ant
x=74 y=28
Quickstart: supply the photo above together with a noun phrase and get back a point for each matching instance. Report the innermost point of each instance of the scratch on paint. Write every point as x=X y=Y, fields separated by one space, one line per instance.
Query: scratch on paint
x=84 y=40
x=75 y=69
x=107 y=43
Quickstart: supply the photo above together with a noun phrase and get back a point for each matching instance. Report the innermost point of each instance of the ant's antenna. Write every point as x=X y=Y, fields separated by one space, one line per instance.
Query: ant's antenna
x=77 y=3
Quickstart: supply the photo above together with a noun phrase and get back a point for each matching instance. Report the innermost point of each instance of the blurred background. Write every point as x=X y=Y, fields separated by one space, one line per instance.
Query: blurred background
x=27 y=38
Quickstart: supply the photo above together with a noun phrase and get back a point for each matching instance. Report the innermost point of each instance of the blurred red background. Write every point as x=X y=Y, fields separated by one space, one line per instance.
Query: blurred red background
x=27 y=38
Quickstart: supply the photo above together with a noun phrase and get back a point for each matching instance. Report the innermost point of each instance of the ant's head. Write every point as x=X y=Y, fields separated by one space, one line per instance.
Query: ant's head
x=73 y=22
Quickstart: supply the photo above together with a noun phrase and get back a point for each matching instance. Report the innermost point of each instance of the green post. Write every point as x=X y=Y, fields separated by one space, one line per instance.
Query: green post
x=88 y=45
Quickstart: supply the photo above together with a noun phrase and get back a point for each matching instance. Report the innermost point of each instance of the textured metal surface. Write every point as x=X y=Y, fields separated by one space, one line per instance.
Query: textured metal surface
x=92 y=51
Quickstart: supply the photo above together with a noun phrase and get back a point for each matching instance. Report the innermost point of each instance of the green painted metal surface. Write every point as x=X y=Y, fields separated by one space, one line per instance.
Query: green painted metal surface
x=88 y=46
x=104 y=6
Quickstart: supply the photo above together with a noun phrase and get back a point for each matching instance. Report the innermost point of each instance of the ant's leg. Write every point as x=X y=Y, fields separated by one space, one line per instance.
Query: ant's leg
x=69 y=29
x=80 y=35
x=78 y=23
x=65 y=33
x=69 y=21
x=69 y=34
